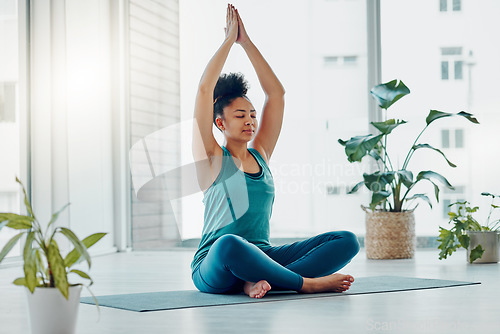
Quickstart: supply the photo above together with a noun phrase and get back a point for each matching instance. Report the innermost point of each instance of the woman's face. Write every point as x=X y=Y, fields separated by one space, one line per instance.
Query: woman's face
x=240 y=120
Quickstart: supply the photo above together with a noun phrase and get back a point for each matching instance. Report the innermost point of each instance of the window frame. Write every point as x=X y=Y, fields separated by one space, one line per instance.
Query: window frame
x=450 y=58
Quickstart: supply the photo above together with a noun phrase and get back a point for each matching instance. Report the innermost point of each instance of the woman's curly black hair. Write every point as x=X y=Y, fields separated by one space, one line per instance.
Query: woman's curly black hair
x=229 y=87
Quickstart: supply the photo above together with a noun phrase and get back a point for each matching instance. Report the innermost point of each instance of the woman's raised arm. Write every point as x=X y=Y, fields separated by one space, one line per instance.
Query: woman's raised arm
x=273 y=110
x=204 y=143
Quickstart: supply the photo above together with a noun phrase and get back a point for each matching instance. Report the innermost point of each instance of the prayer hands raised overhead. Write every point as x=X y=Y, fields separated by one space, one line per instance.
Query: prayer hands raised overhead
x=231 y=28
x=235 y=30
x=242 y=33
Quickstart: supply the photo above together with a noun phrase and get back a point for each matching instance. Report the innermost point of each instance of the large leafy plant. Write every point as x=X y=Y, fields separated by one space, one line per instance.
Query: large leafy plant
x=44 y=266
x=391 y=185
x=462 y=221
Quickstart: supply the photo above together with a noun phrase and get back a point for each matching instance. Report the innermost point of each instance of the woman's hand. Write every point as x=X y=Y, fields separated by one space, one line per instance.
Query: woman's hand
x=231 y=28
x=242 y=33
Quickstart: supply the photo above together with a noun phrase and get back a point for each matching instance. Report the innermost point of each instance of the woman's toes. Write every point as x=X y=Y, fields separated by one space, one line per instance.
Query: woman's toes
x=257 y=290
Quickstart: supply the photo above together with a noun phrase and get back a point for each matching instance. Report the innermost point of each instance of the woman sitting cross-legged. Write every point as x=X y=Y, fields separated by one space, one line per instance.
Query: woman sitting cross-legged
x=234 y=254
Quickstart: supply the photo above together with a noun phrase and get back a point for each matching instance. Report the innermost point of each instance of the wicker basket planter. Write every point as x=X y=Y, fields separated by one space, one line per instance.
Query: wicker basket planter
x=390 y=235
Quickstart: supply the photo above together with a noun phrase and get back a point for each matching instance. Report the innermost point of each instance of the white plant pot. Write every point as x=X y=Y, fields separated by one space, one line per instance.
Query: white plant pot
x=489 y=241
x=51 y=313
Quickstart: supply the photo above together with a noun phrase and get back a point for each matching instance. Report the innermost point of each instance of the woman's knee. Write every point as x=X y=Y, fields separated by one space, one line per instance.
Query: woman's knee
x=351 y=241
x=229 y=245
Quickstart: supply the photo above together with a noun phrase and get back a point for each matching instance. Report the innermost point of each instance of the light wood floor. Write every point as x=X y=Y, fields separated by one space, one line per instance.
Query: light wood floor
x=470 y=309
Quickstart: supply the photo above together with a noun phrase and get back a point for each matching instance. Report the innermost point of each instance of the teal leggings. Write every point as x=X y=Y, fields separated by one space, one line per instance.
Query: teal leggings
x=232 y=260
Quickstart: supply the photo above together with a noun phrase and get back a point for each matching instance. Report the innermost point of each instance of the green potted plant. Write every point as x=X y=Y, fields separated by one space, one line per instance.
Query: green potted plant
x=53 y=301
x=390 y=222
x=480 y=240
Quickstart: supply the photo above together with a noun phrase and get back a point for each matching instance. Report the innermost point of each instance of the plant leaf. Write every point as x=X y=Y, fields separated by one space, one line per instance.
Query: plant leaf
x=460 y=227
x=15 y=221
x=374 y=182
x=379 y=197
x=388 y=176
x=476 y=253
x=483 y=194
x=19 y=224
x=56 y=215
x=447 y=243
x=26 y=201
x=463 y=239
x=73 y=256
x=377 y=182
x=83 y=275
x=9 y=245
x=436 y=189
x=21 y=281
x=40 y=267
x=421 y=196
x=430 y=175
x=387 y=126
x=469 y=116
x=388 y=93
x=406 y=177
x=357 y=147
x=471 y=210
x=57 y=268
x=375 y=155
x=79 y=246
x=356 y=187
x=29 y=266
x=96 y=302
x=419 y=146
x=436 y=114
x=13 y=216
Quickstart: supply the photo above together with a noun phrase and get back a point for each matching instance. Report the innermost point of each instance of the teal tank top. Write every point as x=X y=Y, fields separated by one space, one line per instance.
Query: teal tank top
x=237 y=203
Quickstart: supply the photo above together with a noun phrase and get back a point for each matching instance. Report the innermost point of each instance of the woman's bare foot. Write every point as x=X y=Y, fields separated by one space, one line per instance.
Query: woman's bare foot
x=331 y=283
x=256 y=290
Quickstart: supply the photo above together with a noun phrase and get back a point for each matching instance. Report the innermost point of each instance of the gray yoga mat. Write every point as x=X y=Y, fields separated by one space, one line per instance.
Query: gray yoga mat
x=170 y=300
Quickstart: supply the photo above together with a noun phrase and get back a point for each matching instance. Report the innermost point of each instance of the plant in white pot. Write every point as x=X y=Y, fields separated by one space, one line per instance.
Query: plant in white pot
x=390 y=222
x=480 y=240
x=53 y=300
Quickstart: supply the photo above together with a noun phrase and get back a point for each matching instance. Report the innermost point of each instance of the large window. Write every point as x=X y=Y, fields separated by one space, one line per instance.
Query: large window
x=318 y=50
x=327 y=99
x=458 y=47
x=11 y=125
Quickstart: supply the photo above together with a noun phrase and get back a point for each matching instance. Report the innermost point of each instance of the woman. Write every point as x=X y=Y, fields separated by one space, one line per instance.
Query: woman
x=234 y=254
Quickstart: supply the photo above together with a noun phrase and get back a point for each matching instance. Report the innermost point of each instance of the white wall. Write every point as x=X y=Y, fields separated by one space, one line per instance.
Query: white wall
x=154 y=116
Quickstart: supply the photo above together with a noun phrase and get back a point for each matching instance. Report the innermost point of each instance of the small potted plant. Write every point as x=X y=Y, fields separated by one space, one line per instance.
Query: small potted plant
x=53 y=301
x=480 y=240
x=390 y=222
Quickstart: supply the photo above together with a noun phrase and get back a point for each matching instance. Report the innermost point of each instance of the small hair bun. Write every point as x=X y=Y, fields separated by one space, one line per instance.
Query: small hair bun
x=230 y=85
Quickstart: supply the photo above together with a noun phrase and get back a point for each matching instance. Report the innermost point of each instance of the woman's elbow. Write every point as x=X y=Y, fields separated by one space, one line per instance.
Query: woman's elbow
x=277 y=93
x=205 y=89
